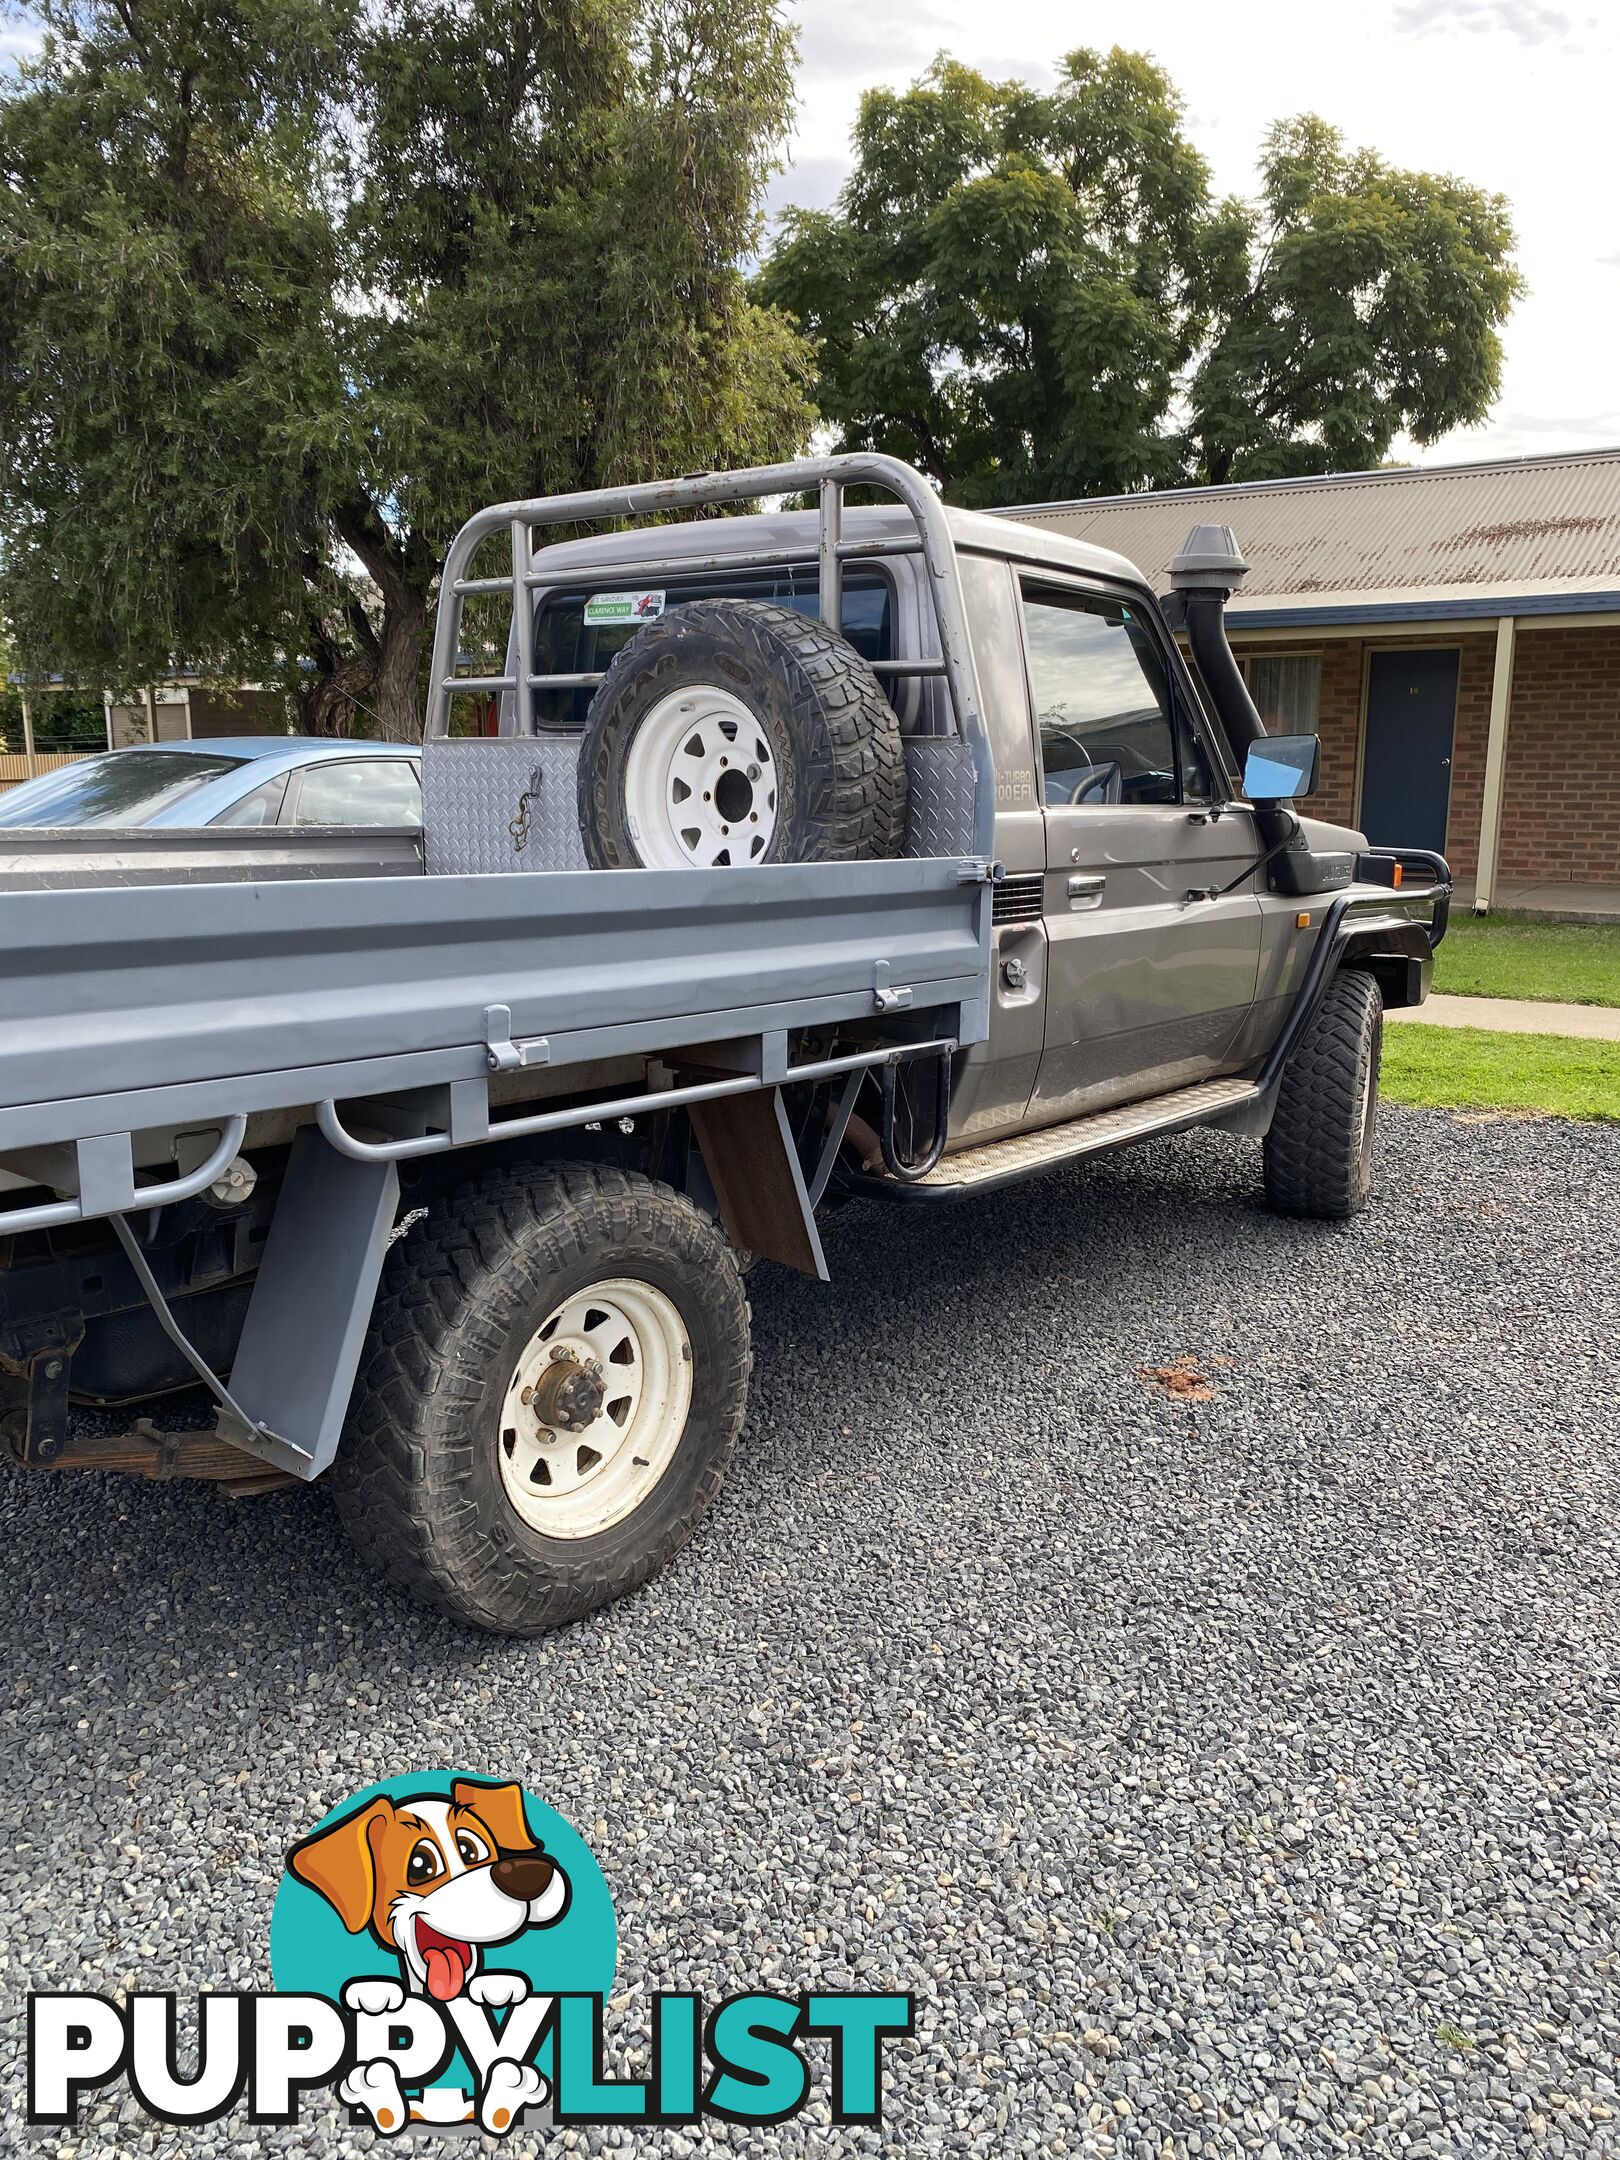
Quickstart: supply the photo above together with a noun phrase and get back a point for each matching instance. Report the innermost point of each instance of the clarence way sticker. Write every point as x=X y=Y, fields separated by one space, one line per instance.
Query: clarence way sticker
x=609 y=607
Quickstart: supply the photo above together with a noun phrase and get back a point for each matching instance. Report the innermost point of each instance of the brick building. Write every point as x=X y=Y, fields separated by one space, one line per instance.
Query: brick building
x=1453 y=635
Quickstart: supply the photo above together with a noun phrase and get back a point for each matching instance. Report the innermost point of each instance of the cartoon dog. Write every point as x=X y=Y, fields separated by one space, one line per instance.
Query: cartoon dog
x=436 y=1881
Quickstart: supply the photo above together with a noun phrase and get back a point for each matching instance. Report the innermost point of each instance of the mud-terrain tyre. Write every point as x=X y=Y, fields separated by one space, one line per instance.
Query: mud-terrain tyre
x=629 y=1293
x=1319 y=1151
x=736 y=732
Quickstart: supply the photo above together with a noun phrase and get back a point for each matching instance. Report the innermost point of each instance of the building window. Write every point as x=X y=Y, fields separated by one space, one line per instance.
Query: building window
x=1287 y=691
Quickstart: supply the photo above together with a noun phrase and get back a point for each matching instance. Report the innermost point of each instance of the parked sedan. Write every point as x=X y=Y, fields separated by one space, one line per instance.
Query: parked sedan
x=238 y=780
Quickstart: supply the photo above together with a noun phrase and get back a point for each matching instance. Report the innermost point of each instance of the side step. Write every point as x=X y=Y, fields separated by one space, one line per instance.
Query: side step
x=1003 y=1162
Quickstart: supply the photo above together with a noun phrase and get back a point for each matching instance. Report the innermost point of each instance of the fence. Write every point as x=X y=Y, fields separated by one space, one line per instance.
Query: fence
x=15 y=766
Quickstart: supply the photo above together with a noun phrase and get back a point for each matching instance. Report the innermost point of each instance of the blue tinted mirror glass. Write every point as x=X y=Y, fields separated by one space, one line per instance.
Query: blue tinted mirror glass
x=1279 y=767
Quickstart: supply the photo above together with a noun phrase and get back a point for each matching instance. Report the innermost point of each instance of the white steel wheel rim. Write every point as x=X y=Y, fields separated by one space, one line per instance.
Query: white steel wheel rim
x=575 y=1484
x=700 y=783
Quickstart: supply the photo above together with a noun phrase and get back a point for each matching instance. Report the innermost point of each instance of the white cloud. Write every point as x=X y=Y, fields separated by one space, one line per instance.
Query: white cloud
x=854 y=41
x=810 y=184
x=1521 y=19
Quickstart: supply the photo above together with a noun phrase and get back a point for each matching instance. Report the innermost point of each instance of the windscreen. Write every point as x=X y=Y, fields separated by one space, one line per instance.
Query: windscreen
x=126 y=787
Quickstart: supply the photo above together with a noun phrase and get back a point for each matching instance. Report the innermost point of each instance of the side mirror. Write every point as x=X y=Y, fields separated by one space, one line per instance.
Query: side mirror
x=1280 y=767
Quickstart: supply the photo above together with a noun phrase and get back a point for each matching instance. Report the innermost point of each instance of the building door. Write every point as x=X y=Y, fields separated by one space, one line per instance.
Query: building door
x=1406 y=765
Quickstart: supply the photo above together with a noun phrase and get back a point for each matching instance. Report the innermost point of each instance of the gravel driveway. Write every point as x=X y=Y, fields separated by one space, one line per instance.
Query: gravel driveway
x=1223 y=1775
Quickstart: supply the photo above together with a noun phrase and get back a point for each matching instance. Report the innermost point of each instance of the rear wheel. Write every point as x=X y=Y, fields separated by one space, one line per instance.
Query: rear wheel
x=729 y=733
x=556 y=1377
x=1319 y=1151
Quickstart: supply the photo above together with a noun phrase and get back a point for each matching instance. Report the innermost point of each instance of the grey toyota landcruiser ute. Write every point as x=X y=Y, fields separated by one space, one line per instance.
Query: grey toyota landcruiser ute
x=877 y=851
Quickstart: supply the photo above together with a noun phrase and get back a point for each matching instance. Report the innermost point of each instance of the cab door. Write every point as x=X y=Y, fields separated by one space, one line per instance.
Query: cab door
x=1147 y=988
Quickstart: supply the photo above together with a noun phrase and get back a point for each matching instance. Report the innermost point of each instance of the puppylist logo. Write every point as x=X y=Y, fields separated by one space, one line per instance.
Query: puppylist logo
x=440 y=1948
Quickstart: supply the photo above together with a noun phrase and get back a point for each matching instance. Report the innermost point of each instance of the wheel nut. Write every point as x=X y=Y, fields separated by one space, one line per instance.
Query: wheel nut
x=526 y=1397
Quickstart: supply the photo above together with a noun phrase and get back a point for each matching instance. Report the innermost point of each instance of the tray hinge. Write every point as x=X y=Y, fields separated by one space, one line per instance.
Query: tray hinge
x=501 y=1053
x=885 y=999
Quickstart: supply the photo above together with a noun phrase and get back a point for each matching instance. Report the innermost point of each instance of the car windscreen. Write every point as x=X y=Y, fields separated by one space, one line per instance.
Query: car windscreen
x=126 y=787
x=565 y=643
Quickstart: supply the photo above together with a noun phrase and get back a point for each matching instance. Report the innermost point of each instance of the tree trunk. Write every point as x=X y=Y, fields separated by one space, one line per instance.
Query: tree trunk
x=327 y=700
x=402 y=571
x=397 y=686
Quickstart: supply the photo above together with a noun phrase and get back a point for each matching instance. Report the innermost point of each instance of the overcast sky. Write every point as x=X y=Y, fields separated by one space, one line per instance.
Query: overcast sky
x=1510 y=94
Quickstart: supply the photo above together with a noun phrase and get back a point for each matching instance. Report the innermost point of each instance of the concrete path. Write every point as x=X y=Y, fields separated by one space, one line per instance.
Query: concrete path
x=1556 y=901
x=1516 y=1016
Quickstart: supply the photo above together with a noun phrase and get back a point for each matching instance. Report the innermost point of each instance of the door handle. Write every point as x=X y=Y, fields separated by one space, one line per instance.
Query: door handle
x=1086 y=891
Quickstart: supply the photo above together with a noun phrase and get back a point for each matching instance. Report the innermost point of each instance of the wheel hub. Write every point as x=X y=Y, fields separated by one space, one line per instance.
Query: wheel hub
x=595 y=1408
x=569 y=1396
x=700 y=784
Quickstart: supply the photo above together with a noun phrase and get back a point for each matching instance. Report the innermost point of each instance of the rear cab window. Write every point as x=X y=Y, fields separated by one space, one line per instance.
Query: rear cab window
x=565 y=643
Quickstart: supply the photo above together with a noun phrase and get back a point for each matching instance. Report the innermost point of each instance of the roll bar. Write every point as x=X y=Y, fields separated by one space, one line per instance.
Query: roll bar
x=826 y=477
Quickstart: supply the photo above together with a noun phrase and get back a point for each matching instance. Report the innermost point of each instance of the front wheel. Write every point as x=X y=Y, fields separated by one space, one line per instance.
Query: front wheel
x=556 y=1377
x=1319 y=1151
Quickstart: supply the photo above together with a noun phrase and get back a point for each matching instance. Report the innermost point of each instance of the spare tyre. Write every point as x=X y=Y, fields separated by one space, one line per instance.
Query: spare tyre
x=732 y=732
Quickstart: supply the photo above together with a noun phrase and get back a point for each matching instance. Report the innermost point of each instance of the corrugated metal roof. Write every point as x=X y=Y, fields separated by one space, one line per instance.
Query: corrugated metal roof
x=1547 y=523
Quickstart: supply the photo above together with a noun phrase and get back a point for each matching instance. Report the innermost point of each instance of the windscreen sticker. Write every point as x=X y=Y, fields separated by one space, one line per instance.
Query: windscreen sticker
x=618 y=607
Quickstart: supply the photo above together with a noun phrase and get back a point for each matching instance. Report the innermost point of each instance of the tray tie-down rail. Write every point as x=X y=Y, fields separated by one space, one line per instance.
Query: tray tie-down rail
x=469 y=1120
x=104 y=1168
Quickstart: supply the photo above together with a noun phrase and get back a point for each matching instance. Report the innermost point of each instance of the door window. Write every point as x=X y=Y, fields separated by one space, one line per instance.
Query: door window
x=262 y=807
x=361 y=791
x=1104 y=707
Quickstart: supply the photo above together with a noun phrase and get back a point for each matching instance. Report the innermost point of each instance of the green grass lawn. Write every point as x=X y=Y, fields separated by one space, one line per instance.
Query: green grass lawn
x=1519 y=956
x=1444 y=1068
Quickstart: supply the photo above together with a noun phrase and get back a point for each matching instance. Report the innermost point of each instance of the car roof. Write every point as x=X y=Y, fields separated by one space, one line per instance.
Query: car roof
x=738 y=539
x=294 y=749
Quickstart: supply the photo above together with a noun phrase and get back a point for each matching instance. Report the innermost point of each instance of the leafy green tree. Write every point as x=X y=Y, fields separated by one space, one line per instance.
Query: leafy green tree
x=288 y=287
x=550 y=220
x=167 y=372
x=1034 y=294
x=63 y=716
x=1365 y=303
